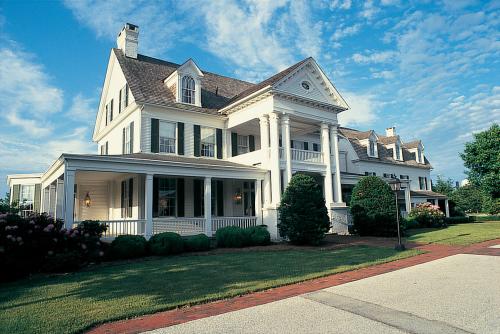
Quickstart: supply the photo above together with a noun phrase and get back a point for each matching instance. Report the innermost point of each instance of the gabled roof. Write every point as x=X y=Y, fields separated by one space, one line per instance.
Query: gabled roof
x=146 y=75
x=384 y=154
x=412 y=144
x=388 y=140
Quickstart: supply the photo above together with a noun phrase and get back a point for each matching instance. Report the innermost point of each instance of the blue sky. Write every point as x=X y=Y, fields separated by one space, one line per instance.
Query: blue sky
x=430 y=68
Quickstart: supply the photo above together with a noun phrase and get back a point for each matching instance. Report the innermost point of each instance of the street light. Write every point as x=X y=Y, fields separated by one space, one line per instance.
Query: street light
x=396 y=186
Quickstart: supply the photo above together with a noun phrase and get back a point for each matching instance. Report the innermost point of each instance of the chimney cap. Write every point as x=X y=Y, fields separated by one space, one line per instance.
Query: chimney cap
x=131 y=26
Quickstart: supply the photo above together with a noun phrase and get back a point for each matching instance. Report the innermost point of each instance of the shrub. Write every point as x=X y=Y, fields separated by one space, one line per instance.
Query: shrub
x=258 y=236
x=232 y=237
x=303 y=214
x=373 y=208
x=197 y=243
x=458 y=220
x=484 y=218
x=408 y=224
x=428 y=215
x=62 y=262
x=127 y=247
x=166 y=243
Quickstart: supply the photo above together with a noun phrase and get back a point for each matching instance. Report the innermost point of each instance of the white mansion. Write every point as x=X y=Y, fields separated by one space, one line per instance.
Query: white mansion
x=189 y=151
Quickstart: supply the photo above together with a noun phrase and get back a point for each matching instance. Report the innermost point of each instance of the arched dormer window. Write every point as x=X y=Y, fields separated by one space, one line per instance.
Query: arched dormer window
x=188 y=90
x=420 y=155
x=372 y=148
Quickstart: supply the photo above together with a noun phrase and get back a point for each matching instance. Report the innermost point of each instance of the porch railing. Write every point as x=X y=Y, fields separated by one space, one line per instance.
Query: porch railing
x=303 y=155
x=121 y=227
x=219 y=222
x=181 y=225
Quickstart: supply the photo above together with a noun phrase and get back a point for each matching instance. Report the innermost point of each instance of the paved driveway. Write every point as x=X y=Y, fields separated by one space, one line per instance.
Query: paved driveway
x=456 y=294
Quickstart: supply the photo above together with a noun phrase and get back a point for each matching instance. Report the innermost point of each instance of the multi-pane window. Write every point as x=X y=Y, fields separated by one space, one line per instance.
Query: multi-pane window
x=104 y=149
x=188 y=90
x=123 y=103
x=27 y=194
x=127 y=139
x=207 y=142
x=127 y=197
x=167 y=137
x=420 y=155
x=398 y=152
x=316 y=147
x=370 y=174
x=243 y=144
x=109 y=112
x=372 y=148
x=422 y=182
x=167 y=197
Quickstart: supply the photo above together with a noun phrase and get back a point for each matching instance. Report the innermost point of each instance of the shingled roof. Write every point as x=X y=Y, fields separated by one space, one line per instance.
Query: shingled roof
x=385 y=154
x=145 y=76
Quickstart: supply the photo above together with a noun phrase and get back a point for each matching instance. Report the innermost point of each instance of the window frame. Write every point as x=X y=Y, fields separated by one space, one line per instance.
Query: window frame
x=371 y=148
x=398 y=152
x=168 y=181
x=242 y=149
x=188 y=94
x=128 y=140
x=212 y=147
x=169 y=139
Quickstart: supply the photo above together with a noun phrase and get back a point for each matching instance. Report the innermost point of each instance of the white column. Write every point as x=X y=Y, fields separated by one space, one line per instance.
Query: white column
x=407 y=198
x=226 y=134
x=258 y=201
x=208 y=206
x=264 y=133
x=267 y=190
x=337 y=194
x=69 y=198
x=59 y=200
x=325 y=147
x=447 y=207
x=148 y=205
x=275 y=158
x=285 y=121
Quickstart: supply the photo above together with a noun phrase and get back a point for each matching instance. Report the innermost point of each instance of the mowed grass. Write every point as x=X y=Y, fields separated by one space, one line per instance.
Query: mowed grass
x=75 y=302
x=460 y=235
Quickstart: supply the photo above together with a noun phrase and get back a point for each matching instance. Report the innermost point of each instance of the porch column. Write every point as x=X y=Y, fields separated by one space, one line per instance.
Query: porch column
x=59 y=200
x=208 y=206
x=407 y=198
x=69 y=198
x=447 y=207
x=285 y=121
x=337 y=194
x=267 y=190
x=275 y=158
x=325 y=147
x=258 y=200
x=148 y=205
x=264 y=135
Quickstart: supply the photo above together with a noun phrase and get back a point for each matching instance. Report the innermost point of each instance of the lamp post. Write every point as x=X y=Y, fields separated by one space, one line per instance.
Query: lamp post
x=396 y=186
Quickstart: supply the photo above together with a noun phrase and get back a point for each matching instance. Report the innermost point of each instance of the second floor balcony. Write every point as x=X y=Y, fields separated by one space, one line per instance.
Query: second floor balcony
x=303 y=155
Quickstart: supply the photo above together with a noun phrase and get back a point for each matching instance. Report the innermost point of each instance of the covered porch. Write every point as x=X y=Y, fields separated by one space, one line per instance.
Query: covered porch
x=187 y=196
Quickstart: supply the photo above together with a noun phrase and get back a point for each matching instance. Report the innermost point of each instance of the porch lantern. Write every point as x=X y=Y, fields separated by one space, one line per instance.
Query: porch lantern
x=395 y=184
x=238 y=197
x=87 y=200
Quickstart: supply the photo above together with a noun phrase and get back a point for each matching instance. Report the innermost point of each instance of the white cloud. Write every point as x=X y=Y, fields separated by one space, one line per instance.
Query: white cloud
x=361 y=112
x=83 y=108
x=369 y=10
x=374 y=57
x=342 y=32
x=345 y=4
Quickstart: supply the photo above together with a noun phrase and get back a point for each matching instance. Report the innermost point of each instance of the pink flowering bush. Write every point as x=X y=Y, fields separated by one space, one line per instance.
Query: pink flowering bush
x=41 y=243
x=427 y=215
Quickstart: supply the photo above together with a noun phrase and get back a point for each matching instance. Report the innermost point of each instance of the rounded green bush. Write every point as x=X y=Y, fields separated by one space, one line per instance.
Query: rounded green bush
x=128 y=247
x=196 y=243
x=166 y=243
x=258 y=235
x=373 y=207
x=232 y=237
x=303 y=214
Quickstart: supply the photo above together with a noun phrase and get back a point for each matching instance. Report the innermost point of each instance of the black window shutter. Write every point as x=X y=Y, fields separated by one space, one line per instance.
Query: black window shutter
x=291 y=144
x=155 y=196
x=315 y=147
x=16 y=193
x=197 y=197
x=120 y=102
x=234 y=144
x=123 y=141
x=122 y=199
x=130 y=196
x=107 y=113
x=131 y=137
x=180 y=141
x=251 y=143
x=306 y=146
x=111 y=111
x=220 y=198
x=155 y=135
x=126 y=95
x=38 y=197
x=107 y=148
x=180 y=197
x=218 y=142
x=197 y=136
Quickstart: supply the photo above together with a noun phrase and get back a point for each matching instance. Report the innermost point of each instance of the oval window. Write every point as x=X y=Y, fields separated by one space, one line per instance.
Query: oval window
x=305 y=85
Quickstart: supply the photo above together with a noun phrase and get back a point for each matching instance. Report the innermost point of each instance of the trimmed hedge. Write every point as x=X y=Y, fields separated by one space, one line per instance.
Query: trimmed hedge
x=237 y=237
x=196 y=243
x=458 y=220
x=166 y=243
x=128 y=247
x=485 y=218
x=258 y=235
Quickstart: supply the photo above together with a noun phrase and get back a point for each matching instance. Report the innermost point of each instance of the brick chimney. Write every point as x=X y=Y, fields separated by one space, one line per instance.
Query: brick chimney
x=390 y=132
x=128 y=40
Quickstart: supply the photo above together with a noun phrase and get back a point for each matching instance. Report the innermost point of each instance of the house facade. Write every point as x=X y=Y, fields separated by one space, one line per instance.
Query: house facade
x=185 y=150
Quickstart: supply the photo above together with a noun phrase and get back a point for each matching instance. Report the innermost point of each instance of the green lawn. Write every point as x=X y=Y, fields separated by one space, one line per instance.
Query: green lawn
x=463 y=234
x=74 y=302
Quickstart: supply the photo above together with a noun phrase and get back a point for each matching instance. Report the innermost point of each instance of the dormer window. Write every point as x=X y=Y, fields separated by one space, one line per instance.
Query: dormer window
x=398 y=151
x=188 y=90
x=372 y=148
x=420 y=155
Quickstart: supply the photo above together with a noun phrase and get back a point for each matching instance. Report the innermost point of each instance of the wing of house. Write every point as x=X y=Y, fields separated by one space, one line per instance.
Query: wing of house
x=186 y=150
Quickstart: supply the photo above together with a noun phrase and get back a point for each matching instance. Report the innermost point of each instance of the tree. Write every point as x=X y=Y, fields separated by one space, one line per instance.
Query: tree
x=373 y=207
x=5 y=204
x=443 y=186
x=482 y=158
x=303 y=214
x=468 y=199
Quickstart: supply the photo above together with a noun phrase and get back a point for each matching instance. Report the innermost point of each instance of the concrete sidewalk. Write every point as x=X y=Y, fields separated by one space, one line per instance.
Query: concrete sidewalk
x=456 y=294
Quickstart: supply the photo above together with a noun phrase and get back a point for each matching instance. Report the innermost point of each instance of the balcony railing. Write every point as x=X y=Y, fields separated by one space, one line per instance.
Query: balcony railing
x=303 y=155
